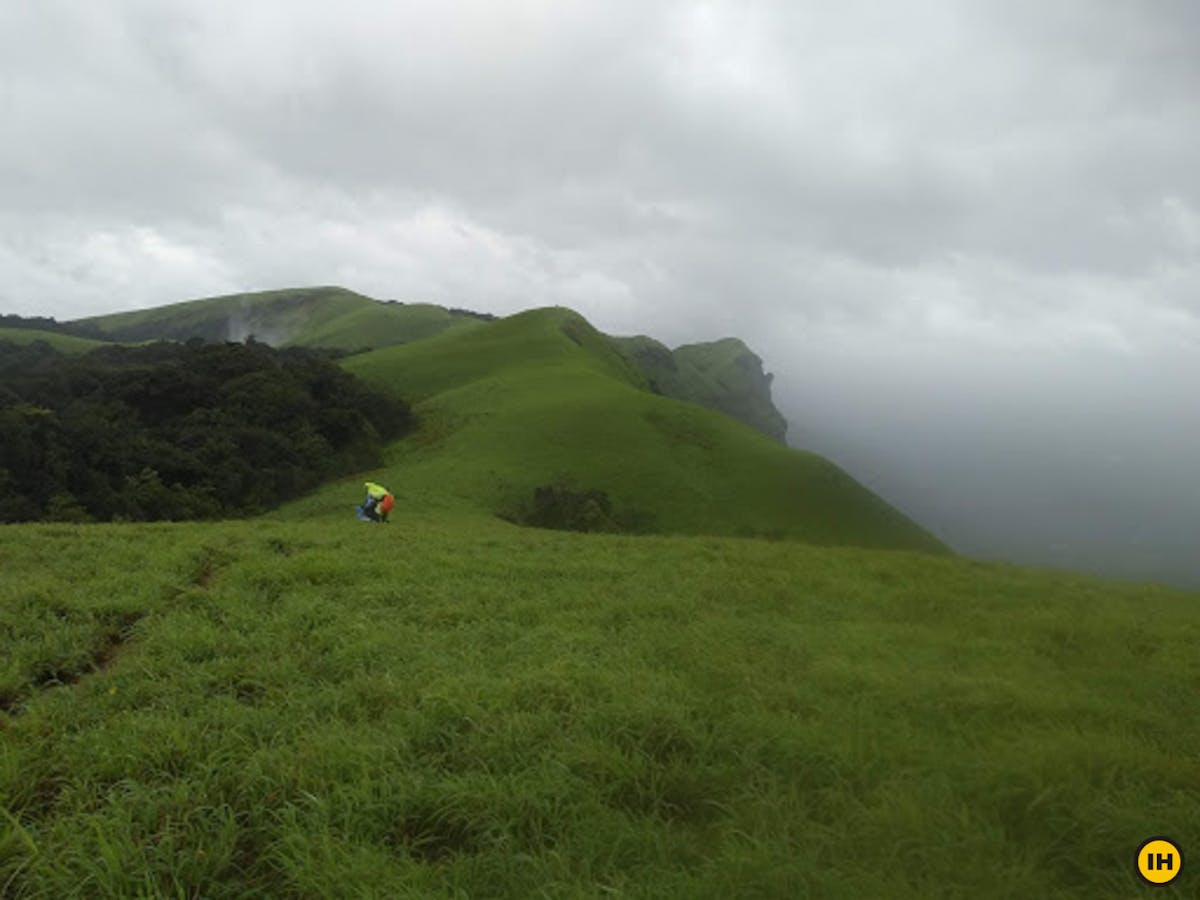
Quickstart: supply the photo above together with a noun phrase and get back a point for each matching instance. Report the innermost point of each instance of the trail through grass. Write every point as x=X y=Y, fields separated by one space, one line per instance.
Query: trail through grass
x=452 y=706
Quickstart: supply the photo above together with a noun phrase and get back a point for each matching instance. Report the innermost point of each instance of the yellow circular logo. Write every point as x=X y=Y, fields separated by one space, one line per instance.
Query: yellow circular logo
x=1159 y=860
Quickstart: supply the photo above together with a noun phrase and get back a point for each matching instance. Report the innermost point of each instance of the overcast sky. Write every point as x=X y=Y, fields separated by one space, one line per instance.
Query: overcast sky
x=961 y=233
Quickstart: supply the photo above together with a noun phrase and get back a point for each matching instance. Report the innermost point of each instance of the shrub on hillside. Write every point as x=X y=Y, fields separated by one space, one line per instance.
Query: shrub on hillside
x=563 y=508
x=556 y=506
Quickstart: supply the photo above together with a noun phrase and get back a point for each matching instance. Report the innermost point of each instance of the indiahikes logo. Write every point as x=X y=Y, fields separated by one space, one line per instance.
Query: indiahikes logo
x=1159 y=860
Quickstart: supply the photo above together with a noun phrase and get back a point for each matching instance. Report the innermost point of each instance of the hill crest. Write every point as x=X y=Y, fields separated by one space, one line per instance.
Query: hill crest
x=327 y=316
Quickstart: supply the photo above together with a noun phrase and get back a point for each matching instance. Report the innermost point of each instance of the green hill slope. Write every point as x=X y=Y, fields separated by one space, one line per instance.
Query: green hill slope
x=67 y=343
x=324 y=316
x=452 y=706
x=724 y=375
x=542 y=398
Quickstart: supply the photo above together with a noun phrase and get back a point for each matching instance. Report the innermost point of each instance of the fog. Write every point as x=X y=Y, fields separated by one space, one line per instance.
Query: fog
x=965 y=236
x=1073 y=460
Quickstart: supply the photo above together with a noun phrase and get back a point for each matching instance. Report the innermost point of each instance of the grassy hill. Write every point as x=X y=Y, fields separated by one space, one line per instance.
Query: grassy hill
x=542 y=398
x=454 y=706
x=67 y=343
x=724 y=375
x=323 y=316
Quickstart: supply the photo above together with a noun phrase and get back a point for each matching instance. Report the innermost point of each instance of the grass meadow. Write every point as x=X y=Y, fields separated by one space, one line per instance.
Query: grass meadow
x=452 y=706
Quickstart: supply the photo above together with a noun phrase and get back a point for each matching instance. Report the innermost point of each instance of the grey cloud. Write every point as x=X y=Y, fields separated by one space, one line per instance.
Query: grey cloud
x=836 y=132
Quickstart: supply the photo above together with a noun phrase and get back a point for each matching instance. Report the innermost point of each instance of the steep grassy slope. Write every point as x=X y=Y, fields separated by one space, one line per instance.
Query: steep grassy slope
x=67 y=343
x=543 y=397
x=452 y=706
x=724 y=375
x=325 y=317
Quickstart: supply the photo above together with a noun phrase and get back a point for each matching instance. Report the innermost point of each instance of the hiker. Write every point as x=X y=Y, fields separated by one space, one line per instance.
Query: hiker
x=378 y=504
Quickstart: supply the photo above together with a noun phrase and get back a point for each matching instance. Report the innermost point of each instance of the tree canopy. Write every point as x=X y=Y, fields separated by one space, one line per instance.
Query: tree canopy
x=179 y=431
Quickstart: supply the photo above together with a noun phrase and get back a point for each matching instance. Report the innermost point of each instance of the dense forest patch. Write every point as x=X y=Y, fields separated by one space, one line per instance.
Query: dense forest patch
x=179 y=431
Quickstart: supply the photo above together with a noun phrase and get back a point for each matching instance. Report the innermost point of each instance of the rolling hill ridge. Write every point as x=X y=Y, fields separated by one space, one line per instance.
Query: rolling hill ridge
x=329 y=317
x=723 y=375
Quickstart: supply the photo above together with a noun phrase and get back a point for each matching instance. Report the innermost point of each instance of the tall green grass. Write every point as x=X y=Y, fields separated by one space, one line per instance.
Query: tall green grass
x=453 y=706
